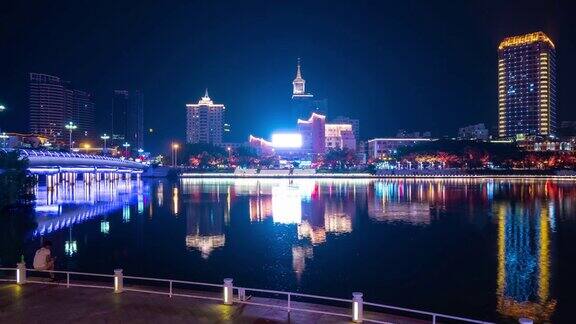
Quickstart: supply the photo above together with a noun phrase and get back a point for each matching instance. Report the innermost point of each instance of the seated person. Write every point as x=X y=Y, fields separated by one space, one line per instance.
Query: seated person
x=43 y=259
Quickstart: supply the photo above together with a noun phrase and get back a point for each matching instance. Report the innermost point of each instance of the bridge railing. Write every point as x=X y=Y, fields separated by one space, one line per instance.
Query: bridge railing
x=30 y=153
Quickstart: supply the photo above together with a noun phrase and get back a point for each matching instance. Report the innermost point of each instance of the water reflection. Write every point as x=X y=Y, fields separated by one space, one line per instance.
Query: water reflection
x=309 y=217
x=71 y=204
x=524 y=262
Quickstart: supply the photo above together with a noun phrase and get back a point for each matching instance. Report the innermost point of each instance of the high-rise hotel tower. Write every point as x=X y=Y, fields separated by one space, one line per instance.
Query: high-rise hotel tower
x=205 y=121
x=526 y=86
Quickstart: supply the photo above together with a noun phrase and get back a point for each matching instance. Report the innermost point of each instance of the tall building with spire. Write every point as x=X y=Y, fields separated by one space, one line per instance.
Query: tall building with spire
x=303 y=103
x=205 y=121
x=526 y=86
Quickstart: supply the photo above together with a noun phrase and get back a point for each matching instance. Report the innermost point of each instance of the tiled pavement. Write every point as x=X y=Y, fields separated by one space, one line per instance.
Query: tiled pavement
x=42 y=303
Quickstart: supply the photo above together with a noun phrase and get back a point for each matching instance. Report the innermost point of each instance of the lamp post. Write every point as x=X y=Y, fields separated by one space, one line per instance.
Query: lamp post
x=126 y=146
x=229 y=149
x=104 y=137
x=70 y=127
x=175 y=147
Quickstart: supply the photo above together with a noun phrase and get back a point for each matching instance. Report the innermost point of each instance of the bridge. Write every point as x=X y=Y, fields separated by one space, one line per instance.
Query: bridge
x=67 y=166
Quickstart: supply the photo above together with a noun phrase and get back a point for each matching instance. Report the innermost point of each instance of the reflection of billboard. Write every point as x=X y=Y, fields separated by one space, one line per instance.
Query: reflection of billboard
x=286 y=205
x=287 y=140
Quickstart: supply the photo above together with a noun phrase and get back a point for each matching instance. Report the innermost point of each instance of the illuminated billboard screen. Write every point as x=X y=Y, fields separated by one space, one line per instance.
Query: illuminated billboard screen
x=287 y=140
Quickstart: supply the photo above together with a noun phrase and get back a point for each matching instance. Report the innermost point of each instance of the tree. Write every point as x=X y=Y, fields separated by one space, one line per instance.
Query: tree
x=339 y=158
x=16 y=182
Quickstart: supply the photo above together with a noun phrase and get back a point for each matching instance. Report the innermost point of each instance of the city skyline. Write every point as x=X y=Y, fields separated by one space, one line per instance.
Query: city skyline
x=393 y=76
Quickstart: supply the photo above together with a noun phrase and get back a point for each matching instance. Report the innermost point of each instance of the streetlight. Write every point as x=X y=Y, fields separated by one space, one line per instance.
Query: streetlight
x=4 y=137
x=175 y=147
x=104 y=137
x=126 y=146
x=229 y=149
x=70 y=127
x=2 y=108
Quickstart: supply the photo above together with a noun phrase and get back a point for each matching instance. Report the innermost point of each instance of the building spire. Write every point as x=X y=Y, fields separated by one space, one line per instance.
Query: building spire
x=206 y=94
x=298 y=73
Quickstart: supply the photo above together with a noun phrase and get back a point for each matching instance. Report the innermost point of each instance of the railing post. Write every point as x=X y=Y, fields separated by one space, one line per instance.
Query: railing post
x=357 y=307
x=118 y=281
x=228 y=296
x=434 y=319
x=289 y=303
x=67 y=280
x=241 y=294
x=524 y=320
x=21 y=273
x=170 y=288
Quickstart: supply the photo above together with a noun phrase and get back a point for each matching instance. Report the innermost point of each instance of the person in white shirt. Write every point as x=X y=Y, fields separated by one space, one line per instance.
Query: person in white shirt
x=43 y=259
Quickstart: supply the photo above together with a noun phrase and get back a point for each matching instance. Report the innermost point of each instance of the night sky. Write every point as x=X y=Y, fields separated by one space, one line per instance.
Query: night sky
x=415 y=65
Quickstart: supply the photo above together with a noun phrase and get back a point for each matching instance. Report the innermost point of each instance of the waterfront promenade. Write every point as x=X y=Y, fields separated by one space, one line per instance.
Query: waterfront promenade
x=44 y=303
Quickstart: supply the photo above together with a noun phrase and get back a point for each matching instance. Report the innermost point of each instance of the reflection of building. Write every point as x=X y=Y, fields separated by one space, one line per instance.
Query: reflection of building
x=409 y=212
x=286 y=205
x=526 y=86
x=299 y=256
x=205 y=121
x=260 y=207
x=205 y=226
x=524 y=269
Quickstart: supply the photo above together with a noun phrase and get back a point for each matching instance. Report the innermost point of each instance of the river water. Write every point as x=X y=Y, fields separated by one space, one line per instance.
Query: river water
x=487 y=249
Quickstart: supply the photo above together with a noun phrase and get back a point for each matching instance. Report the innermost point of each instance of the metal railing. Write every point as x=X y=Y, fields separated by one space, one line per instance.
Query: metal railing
x=31 y=153
x=228 y=297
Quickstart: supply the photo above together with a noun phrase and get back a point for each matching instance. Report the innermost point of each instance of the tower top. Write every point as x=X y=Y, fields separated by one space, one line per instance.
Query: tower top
x=299 y=84
x=298 y=73
x=525 y=39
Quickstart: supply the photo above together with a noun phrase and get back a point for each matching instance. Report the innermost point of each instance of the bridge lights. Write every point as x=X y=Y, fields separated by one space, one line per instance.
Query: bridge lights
x=71 y=127
x=104 y=137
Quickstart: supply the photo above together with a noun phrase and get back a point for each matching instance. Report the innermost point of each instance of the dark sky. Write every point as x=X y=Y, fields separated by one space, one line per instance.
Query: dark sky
x=417 y=65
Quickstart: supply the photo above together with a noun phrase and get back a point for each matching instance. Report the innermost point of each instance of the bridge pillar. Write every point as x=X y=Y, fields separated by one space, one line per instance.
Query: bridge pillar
x=49 y=181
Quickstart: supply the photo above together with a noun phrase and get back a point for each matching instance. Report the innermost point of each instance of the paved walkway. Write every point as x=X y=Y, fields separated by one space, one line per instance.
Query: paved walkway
x=43 y=303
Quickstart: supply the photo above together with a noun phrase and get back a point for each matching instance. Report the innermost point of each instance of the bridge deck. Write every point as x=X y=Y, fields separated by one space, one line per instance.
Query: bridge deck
x=49 y=303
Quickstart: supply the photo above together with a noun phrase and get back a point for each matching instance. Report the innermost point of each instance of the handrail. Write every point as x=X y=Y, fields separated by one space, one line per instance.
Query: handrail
x=288 y=307
x=28 y=152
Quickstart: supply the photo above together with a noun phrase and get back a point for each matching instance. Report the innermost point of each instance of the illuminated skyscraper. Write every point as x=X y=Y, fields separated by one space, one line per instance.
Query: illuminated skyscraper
x=53 y=103
x=526 y=86
x=205 y=121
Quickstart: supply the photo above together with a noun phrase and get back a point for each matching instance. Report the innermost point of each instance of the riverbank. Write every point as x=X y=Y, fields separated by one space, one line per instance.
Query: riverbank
x=190 y=175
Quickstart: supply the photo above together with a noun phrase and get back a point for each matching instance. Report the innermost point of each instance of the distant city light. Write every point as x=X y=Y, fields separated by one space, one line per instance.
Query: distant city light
x=287 y=140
